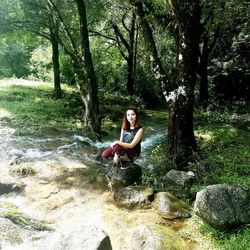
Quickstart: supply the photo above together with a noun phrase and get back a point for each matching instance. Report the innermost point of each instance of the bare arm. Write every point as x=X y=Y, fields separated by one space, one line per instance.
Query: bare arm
x=135 y=141
x=121 y=136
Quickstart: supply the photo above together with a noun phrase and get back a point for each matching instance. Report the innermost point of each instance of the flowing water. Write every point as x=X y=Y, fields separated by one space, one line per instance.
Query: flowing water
x=57 y=194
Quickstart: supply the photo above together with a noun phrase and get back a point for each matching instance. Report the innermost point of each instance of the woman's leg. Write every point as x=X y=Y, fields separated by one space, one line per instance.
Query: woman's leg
x=108 y=152
x=117 y=150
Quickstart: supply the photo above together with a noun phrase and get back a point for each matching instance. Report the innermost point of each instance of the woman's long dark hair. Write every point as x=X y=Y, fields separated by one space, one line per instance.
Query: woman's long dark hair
x=125 y=122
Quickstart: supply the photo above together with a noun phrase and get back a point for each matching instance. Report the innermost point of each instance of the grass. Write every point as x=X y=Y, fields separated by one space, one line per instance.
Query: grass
x=33 y=107
x=226 y=151
x=238 y=240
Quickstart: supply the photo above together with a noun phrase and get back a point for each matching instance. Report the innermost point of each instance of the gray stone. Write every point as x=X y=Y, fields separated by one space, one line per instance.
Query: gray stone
x=123 y=177
x=134 y=196
x=224 y=206
x=170 y=207
x=156 y=237
x=9 y=187
x=12 y=234
x=179 y=179
x=87 y=237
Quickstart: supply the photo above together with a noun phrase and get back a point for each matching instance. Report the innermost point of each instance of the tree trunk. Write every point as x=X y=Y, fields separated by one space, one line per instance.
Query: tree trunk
x=130 y=81
x=56 y=64
x=206 y=50
x=87 y=81
x=181 y=140
x=158 y=69
x=131 y=61
x=203 y=72
x=129 y=45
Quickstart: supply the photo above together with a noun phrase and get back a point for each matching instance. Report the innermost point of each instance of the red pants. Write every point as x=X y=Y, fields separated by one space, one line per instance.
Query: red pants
x=110 y=152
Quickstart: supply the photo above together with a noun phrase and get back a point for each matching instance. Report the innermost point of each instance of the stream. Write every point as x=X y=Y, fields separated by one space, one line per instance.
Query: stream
x=57 y=194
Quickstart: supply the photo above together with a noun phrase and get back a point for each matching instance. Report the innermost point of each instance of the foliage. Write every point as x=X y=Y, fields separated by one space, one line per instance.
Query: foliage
x=40 y=65
x=158 y=167
x=114 y=104
x=14 y=57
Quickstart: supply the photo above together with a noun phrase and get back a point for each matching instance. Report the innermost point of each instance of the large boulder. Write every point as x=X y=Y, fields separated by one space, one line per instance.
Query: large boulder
x=156 y=237
x=223 y=206
x=87 y=237
x=12 y=234
x=123 y=177
x=170 y=207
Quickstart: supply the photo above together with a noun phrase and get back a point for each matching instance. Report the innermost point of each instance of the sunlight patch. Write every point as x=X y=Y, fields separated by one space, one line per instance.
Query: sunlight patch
x=206 y=136
x=5 y=113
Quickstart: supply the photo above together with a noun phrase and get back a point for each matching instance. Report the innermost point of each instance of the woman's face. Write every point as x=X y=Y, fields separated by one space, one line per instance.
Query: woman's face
x=131 y=116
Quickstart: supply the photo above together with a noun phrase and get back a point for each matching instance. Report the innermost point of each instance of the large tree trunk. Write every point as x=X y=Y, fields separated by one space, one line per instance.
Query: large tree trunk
x=88 y=84
x=181 y=140
x=56 y=64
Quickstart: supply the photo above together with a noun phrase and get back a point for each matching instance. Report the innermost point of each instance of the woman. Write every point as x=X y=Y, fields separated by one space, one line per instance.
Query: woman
x=129 y=145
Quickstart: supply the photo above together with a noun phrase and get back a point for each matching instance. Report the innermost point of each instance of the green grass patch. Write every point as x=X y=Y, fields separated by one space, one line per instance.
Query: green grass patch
x=33 y=107
x=236 y=240
x=226 y=153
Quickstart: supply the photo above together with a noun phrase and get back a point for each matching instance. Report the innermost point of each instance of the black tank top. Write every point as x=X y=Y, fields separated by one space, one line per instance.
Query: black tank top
x=128 y=137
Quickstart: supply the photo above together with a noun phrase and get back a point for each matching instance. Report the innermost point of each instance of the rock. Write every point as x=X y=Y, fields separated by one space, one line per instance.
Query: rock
x=170 y=207
x=13 y=236
x=156 y=237
x=84 y=237
x=19 y=219
x=9 y=187
x=179 y=179
x=124 y=177
x=224 y=206
x=134 y=196
x=11 y=233
x=5 y=120
x=14 y=160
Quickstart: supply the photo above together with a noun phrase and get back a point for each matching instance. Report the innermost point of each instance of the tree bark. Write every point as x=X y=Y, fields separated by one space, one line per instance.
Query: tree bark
x=205 y=52
x=87 y=81
x=158 y=69
x=203 y=72
x=129 y=45
x=56 y=64
x=131 y=58
x=181 y=140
